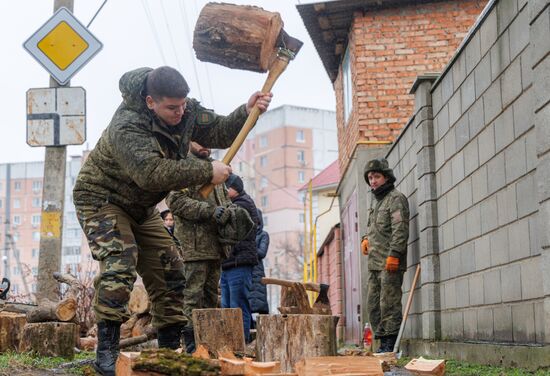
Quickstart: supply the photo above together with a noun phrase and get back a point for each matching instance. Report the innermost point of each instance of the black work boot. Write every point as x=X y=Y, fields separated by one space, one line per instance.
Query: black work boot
x=382 y=348
x=390 y=342
x=108 y=336
x=169 y=337
x=189 y=338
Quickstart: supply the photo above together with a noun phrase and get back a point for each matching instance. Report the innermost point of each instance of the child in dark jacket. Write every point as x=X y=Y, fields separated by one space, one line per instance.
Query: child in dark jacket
x=258 y=293
x=236 y=278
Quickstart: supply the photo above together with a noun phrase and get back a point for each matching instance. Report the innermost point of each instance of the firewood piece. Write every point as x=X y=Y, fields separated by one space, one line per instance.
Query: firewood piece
x=241 y=37
x=50 y=339
x=126 y=327
x=231 y=366
x=252 y=368
x=219 y=328
x=11 y=327
x=139 y=302
x=132 y=341
x=143 y=326
x=87 y=343
x=290 y=338
x=423 y=366
x=64 y=311
x=125 y=362
x=339 y=365
x=201 y=352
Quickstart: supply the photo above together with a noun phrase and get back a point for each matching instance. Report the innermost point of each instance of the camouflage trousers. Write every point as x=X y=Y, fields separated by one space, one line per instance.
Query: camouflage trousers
x=384 y=302
x=124 y=249
x=202 y=279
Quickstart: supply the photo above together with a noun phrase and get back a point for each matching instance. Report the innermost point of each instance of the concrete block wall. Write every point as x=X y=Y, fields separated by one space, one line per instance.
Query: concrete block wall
x=481 y=169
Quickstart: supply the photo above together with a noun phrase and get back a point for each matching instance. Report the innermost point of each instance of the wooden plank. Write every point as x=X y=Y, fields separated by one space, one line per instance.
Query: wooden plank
x=423 y=366
x=339 y=365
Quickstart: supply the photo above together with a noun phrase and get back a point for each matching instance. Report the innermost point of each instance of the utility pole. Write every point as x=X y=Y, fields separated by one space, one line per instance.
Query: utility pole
x=53 y=197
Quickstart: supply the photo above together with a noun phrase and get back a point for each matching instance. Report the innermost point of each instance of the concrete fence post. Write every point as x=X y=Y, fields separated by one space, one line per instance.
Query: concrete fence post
x=427 y=207
x=539 y=20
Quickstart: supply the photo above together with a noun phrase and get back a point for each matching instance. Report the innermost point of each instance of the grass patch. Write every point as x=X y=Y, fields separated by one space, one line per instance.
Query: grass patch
x=12 y=360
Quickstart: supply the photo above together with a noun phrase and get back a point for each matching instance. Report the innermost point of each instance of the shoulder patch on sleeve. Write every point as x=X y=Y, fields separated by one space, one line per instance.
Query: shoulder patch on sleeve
x=205 y=118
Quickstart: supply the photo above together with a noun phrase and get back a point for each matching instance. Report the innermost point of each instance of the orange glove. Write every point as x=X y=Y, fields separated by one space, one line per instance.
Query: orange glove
x=392 y=264
x=365 y=246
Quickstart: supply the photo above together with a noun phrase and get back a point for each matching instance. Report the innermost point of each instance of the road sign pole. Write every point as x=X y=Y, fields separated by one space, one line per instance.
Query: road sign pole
x=53 y=200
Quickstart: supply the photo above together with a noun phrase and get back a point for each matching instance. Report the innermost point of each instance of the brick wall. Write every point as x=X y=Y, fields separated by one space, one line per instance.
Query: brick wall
x=388 y=48
x=329 y=266
x=474 y=162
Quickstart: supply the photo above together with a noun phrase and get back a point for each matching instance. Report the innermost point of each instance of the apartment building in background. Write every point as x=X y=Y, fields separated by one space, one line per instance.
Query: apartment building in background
x=20 y=216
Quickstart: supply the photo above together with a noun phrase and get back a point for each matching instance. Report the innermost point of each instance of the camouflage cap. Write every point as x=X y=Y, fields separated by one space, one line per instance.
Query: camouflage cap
x=379 y=165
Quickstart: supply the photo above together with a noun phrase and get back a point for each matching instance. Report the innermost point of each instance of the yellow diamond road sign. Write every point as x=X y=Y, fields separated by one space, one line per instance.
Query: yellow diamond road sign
x=63 y=45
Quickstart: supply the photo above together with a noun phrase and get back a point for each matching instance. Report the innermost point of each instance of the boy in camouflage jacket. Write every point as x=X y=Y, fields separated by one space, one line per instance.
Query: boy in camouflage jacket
x=385 y=243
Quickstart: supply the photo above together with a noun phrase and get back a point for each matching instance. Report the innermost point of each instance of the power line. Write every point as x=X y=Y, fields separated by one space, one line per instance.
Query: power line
x=189 y=44
x=153 y=29
x=96 y=13
x=171 y=36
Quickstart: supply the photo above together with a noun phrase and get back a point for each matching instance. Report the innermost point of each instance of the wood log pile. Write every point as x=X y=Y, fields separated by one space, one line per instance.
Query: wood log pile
x=136 y=330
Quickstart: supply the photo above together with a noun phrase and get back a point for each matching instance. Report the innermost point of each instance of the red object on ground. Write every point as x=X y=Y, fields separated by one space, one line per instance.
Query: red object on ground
x=367 y=336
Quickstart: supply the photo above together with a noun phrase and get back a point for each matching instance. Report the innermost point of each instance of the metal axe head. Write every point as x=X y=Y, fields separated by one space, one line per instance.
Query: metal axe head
x=288 y=46
x=322 y=298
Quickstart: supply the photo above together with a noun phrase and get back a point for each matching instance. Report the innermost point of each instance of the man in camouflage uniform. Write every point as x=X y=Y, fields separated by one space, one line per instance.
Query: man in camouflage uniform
x=386 y=245
x=140 y=158
x=196 y=229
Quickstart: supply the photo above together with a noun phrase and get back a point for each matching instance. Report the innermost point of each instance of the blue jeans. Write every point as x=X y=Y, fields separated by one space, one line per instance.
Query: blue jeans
x=235 y=284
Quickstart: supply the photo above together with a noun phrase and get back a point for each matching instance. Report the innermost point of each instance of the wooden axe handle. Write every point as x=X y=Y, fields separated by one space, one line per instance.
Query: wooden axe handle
x=309 y=286
x=278 y=67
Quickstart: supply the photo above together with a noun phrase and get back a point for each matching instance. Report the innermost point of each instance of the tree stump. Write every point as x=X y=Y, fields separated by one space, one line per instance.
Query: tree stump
x=290 y=338
x=237 y=36
x=11 y=327
x=50 y=339
x=219 y=329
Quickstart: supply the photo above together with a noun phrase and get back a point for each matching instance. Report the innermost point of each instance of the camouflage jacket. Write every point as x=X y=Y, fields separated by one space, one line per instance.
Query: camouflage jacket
x=388 y=230
x=138 y=160
x=195 y=227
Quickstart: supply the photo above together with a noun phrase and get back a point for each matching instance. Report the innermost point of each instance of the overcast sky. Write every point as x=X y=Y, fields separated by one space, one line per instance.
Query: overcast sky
x=138 y=33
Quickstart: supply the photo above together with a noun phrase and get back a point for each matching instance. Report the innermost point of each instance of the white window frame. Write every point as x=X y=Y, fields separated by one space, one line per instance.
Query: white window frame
x=300 y=136
x=301 y=156
x=263 y=141
x=301 y=176
x=347 y=86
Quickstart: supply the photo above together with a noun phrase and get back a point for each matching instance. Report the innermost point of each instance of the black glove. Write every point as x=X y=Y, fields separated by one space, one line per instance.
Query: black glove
x=218 y=213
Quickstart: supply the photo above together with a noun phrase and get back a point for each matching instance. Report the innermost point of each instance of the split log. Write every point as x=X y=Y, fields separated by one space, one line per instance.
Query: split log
x=423 y=366
x=290 y=338
x=11 y=327
x=241 y=37
x=143 y=326
x=126 y=327
x=139 y=302
x=219 y=328
x=50 y=339
x=124 y=365
x=231 y=366
x=201 y=352
x=339 y=365
x=260 y=368
x=87 y=343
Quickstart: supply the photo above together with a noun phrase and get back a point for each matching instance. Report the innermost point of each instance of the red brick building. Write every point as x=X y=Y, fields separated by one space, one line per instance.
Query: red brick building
x=372 y=51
